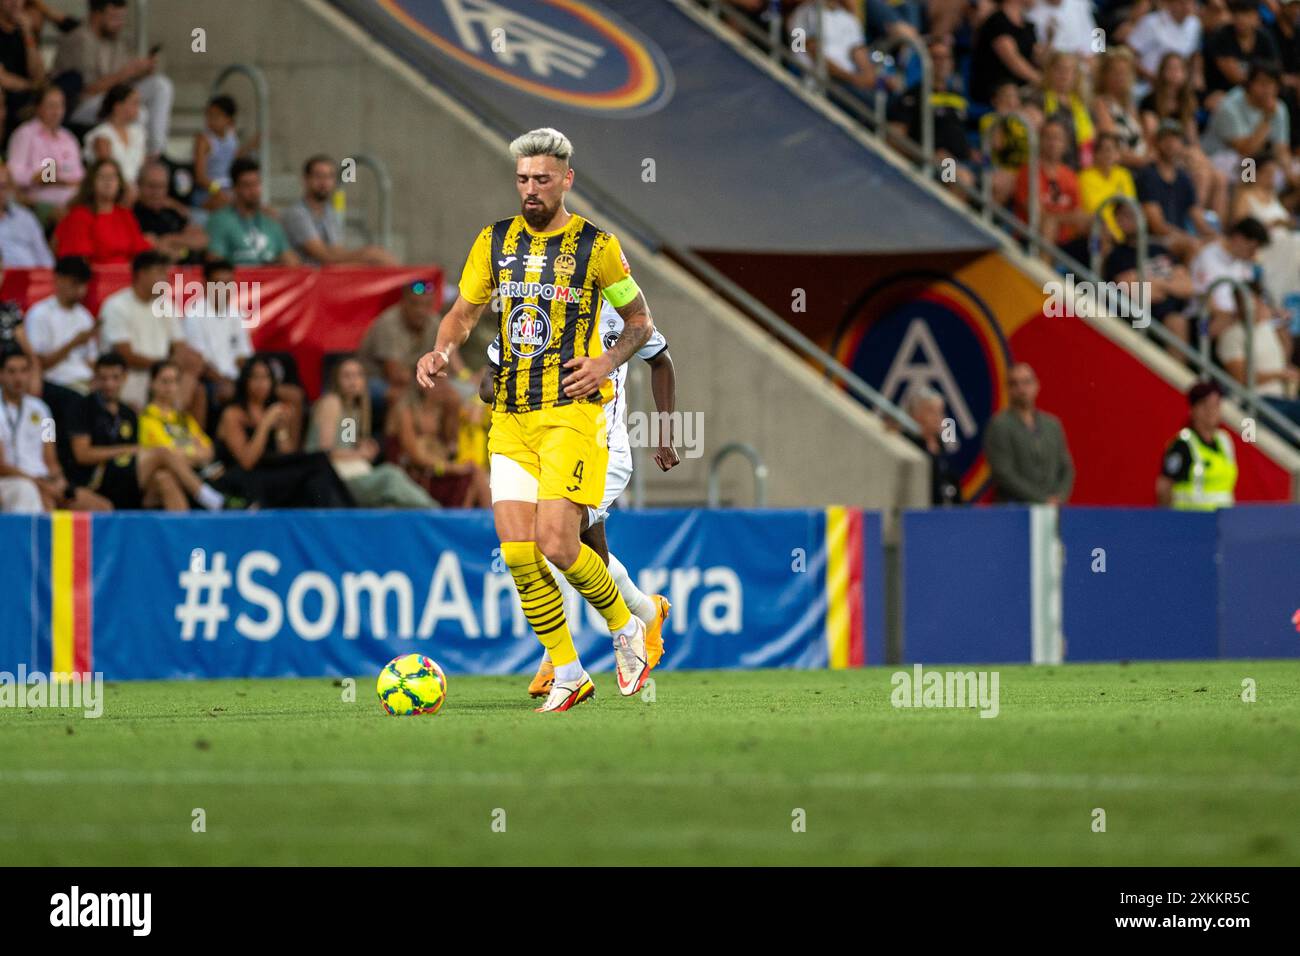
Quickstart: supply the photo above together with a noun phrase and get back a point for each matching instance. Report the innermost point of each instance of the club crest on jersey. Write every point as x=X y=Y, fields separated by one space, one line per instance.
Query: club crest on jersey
x=609 y=339
x=565 y=265
x=529 y=330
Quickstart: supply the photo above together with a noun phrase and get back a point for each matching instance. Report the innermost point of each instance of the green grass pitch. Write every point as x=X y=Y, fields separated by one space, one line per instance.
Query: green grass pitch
x=713 y=770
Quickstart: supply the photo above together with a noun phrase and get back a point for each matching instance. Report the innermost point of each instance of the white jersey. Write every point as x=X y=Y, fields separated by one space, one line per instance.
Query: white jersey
x=611 y=327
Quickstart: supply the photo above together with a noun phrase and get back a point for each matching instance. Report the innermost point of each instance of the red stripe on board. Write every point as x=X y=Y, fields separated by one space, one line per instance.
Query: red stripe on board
x=81 y=592
x=857 y=591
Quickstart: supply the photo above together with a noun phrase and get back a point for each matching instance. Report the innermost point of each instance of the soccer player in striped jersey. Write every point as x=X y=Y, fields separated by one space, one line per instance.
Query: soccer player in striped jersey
x=546 y=271
x=652 y=609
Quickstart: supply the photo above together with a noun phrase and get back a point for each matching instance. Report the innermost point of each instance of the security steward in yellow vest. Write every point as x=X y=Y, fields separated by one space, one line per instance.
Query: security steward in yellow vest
x=1199 y=472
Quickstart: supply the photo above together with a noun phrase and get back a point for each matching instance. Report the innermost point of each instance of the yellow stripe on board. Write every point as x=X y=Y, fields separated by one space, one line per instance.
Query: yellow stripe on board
x=61 y=611
x=837 y=587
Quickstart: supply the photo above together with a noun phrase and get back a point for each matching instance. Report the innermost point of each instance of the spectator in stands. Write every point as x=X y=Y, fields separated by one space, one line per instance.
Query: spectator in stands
x=1005 y=50
x=175 y=433
x=948 y=103
x=342 y=426
x=926 y=406
x=1172 y=27
x=1026 y=447
x=45 y=158
x=1168 y=196
x=119 y=135
x=12 y=335
x=1256 y=197
x=1062 y=219
x=134 y=324
x=1269 y=349
x=244 y=232
x=1105 y=179
x=22 y=69
x=1173 y=99
x=1285 y=31
x=1199 y=470
x=98 y=226
x=426 y=435
x=894 y=19
x=1114 y=107
x=18 y=496
x=40 y=13
x=216 y=330
x=254 y=445
x=1169 y=281
x=848 y=59
x=1066 y=26
x=216 y=148
x=26 y=441
x=106 y=446
x=22 y=241
x=396 y=340
x=62 y=333
x=1231 y=257
x=1234 y=51
x=1062 y=99
x=164 y=221
x=1009 y=142
x=1248 y=119
x=95 y=57
x=315 y=228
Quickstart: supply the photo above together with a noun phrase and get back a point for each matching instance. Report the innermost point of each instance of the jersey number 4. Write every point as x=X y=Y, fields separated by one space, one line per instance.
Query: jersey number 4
x=577 y=474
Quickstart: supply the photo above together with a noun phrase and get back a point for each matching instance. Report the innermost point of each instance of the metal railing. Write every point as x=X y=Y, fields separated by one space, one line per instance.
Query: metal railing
x=141 y=17
x=1141 y=241
x=384 y=185
x=1246 y=305
x=755 y=463
x=1033 y=197
x=262 y=94
x=913 y=43
x=1026 y=234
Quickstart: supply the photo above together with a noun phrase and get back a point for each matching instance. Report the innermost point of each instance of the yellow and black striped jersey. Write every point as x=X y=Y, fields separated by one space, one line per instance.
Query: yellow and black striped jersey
x=547 y=288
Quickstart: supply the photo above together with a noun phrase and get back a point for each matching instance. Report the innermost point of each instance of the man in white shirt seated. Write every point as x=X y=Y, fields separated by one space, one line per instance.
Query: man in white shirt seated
x=61 y=331
x=27 y=432
x=1231 y=257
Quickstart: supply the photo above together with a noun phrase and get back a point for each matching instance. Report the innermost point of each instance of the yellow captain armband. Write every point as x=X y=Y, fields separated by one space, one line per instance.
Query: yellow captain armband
x=622 y=292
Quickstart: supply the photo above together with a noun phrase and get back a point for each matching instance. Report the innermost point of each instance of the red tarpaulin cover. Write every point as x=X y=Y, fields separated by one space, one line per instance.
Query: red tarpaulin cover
x=307 y=312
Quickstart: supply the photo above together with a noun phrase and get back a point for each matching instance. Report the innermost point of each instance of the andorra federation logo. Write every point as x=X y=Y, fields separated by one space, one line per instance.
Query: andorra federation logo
x=529 y=329
x=927 y=330
x=569 y=52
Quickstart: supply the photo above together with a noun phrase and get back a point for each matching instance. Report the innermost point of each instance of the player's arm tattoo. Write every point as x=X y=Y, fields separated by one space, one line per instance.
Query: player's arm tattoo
x=637 y=329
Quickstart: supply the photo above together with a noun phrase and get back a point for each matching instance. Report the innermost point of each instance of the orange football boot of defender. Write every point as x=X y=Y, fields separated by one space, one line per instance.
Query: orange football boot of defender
x=543 y=680
x=654 y=634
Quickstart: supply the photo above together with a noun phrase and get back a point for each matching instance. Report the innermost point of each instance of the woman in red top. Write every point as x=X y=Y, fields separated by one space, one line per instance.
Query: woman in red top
x=98 y=227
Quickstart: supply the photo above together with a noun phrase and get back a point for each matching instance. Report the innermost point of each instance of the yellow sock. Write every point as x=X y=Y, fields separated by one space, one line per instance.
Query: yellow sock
x=592 y=580
x=541 y=599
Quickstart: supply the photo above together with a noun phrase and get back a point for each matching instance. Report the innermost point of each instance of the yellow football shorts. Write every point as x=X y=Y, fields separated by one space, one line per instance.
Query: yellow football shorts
x=563 y=448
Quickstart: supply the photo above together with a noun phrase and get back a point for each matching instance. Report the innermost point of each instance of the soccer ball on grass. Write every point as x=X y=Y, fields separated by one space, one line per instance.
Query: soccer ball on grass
x=412 y=684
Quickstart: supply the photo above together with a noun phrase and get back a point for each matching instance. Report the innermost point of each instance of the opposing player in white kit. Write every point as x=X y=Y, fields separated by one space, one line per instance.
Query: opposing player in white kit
x=652 y=609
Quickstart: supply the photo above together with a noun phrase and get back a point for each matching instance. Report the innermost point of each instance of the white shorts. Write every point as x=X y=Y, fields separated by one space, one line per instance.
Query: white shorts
x=617 y=475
